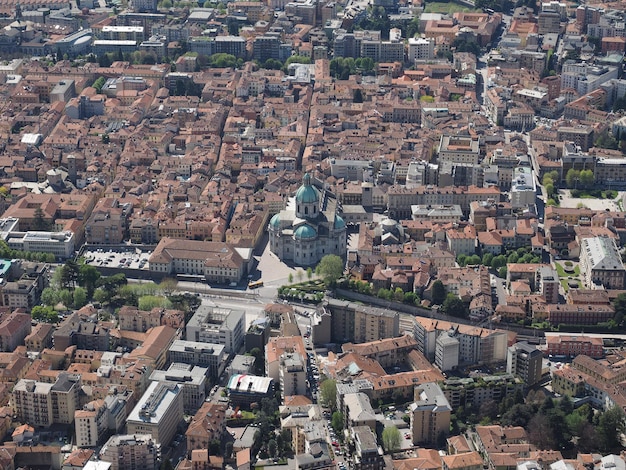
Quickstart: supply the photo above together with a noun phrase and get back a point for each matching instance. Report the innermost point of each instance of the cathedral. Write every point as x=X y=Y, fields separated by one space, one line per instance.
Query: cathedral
x=309 y=228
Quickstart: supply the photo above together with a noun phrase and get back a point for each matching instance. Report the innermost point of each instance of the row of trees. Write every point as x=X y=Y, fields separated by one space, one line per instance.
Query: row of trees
x=9 y=253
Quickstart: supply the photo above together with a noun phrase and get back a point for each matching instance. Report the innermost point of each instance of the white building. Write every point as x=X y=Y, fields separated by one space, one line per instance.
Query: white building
x=193 y=380
x=447 y=352
x=292 y=374
x=421 y=49
x=311 y=230
x=158 y=412
x=585 y=78
x=601 y=263
x=523 y=188
x=209 y=355
x=217 y=325
x=60 y=244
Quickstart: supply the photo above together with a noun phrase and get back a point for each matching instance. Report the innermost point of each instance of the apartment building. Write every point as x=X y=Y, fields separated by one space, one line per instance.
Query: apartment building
x=207 y=425
x=388 y=352
x=218 y=326
x=278 y=347
x=108 y=222
x=91 y=423
x=192 y=379
x=131 y=452
x=430 y=414
x=524 y=361
x=475 y=344
x=357 y=411
x=368 y=454
x=585 y=78
x=82 y=333
x=469 y=392
x=359 y=323
x=133 y=319
x=14 y=328
x=209 y=355
x=40 y=337
x=158 y=412
x=32 y=403
x=292 y=374
x=421 y=49
x=43 y=404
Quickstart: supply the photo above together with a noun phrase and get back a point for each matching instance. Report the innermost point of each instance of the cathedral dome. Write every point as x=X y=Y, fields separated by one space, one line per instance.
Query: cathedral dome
x=305 y=232
x=339 y=223
x=275 y=222
x=306 y=194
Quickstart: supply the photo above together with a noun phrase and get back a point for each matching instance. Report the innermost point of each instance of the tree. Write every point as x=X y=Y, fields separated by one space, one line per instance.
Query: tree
x=610 y=428
x=69 y=274
x=328 y=393
x=50 y=296
x=502 y=272
x=88 y=277
x=148 y=302
x=39 y=222
x=228 y=450
x=620 y=308
x=357 y=96
x=487 y=259
x=438 y=292
x=586 y=178
x=330 y=268
x=391 y=439
x=454 y=306
x=309 y=273
x=272 y=447
x=337 y=422
x=572 y=177
x=168 y=285
x=79 y=297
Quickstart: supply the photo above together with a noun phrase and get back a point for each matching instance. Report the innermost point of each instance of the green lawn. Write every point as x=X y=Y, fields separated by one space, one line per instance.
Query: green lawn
x=564 y=274
x=441 y=7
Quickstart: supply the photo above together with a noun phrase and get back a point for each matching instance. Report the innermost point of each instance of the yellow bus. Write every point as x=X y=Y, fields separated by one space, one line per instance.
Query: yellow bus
x=255 y=284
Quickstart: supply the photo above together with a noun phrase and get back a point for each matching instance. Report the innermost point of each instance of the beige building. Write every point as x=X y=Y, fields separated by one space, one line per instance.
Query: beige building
x=13 y=329
x=133 y=319
x=130 y=452
x=216 y=261
x=40 y=337
x=107 y=224
x=430 y=414
x=32 y=403
x=158 y=412
x=90 y=423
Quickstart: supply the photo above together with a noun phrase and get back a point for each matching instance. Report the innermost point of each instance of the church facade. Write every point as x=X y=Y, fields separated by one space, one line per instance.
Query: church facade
x=309 y=228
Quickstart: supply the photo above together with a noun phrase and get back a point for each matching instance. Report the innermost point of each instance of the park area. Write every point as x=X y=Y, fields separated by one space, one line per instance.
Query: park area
x=569 y=275
x=446 y=7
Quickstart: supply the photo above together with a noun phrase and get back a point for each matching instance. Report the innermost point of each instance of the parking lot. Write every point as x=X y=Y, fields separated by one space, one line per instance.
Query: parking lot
x=131 y=258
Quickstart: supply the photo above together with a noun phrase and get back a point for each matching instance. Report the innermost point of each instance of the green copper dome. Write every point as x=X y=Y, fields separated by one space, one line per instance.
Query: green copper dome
x=339 y=223
x=275 y=222
x=305 y=232
x=306 y=194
